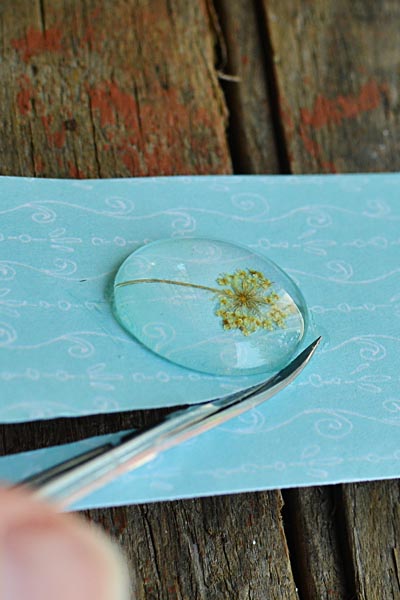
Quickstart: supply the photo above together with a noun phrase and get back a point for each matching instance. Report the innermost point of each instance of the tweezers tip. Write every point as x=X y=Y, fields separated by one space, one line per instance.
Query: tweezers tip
x=313 y=346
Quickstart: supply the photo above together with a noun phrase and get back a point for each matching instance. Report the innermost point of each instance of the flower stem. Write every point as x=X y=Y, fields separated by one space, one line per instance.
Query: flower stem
x=171 y=282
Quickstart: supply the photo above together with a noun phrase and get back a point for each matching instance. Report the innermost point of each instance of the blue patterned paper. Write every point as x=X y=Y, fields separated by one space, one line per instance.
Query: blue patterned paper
x=62 y=352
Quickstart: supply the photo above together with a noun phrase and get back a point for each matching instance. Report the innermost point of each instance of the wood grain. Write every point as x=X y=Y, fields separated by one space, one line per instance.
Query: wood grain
x=372 y=527
x=313 y=539
x=120 y=88
x=318 y=548
x=110 y=89
x=252 y=132
x=208 y=549
x=338 y=94
x=336 y=65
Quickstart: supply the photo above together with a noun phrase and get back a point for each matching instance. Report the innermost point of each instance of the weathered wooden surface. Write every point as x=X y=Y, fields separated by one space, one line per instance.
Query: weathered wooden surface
x=336 y=77
x=116 y=89
x=119 y=88
x=336 y=65
x=318 y=549
x=245 y=80
x=101 y=89
x=226 y=547
x=372 y=528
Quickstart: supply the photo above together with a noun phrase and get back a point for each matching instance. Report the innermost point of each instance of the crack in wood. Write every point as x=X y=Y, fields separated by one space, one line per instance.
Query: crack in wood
x=244 y=82
x=94 y=137
x=396 y=558
x=42 y=15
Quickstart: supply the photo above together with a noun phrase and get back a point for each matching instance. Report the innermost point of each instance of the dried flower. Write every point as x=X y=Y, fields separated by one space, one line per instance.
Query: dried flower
x=246 y=301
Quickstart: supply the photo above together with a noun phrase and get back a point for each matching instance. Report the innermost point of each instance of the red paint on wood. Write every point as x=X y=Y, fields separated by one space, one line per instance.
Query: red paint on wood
x=333 y=111
x=287 y=116
x=167 y=120
x=24 y=101
x=36 y=42
x=89 y=36
x=46 y=121
x=39 y=165
x=99 y=101
x=25 y=95
x=113 y=106
x=323 y=112
x=327 y=112
x=111 y=101
x=55 y=138
x=314 y=149
x=130 y=158
x=368 y=99
x=310 y=145
x=75 y=172
x=125 y=106
x=329 y=166
x=93 y=36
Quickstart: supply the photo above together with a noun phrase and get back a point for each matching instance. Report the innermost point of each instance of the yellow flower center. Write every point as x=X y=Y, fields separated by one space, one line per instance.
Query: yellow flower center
x=243 y=298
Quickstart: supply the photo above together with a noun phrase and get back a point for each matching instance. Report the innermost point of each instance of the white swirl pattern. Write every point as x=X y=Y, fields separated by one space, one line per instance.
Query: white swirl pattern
x=62 y=352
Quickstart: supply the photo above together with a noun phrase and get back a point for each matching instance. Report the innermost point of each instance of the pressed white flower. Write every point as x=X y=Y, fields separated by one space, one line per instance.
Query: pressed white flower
x=246 y=300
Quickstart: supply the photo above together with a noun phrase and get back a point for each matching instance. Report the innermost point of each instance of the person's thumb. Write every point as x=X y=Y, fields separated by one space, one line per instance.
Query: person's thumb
x=46 y=555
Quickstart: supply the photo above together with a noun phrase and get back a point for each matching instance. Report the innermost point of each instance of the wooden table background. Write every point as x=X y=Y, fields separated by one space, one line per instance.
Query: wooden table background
x=121 y=88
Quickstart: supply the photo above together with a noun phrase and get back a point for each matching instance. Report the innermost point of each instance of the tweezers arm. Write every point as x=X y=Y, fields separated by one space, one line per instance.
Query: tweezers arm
x=129 y=454
x=68 y=487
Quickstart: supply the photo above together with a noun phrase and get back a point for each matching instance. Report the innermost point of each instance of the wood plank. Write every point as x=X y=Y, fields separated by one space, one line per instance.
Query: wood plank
x=119 y=88
x=318 y=554
x=251 y=126
x=110 y=89
x=309 y=515
x=338 y=98
x=208 y=549
x=337 y=80
x=372 y=527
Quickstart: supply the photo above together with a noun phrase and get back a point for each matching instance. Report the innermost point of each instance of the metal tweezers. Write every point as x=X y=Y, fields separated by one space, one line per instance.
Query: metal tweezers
x=75 y=478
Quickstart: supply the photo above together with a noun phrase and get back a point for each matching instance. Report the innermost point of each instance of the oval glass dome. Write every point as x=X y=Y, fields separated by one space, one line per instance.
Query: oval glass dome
x=211 y=306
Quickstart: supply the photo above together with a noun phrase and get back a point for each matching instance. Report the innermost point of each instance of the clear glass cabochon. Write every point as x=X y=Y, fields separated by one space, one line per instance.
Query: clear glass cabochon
x=210 y=306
